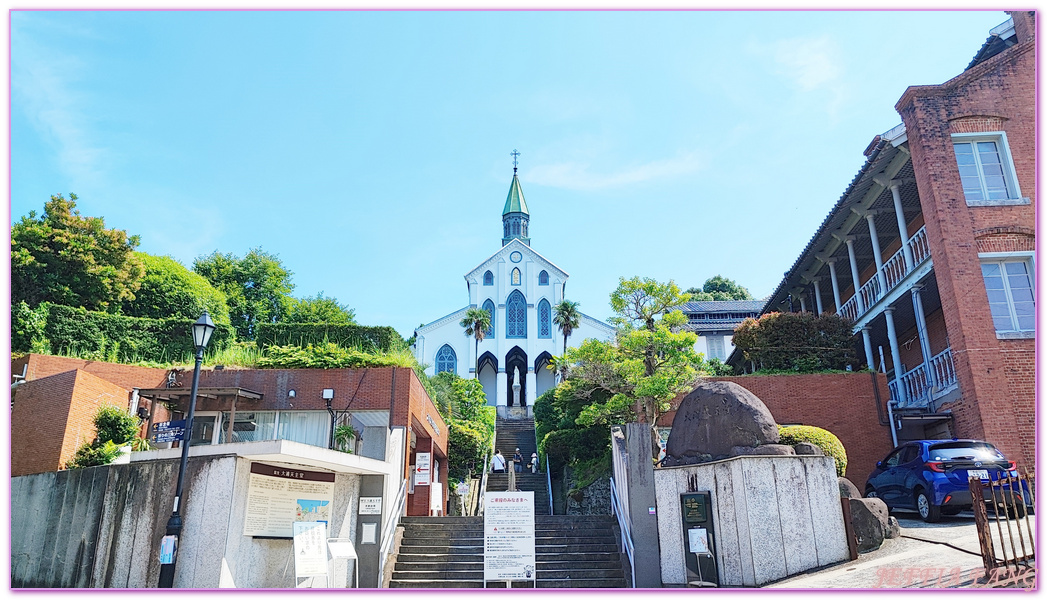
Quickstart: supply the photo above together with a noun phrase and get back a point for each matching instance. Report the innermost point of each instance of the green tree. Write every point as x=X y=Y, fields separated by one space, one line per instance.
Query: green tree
x=114 y=428
x=719 y=287
x=799 y=342
x=470 y=421
x=476 y=323
x=649 y=364
x=257 y=287
x=171 y=290
x=65 y=258
x=319 y=309
x=567 y=318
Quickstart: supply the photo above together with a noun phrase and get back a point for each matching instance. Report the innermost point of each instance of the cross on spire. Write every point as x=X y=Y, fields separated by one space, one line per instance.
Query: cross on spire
x=514 y=154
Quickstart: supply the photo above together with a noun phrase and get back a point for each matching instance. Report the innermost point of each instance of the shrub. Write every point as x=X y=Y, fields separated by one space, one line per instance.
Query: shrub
x=331 y=356
x=114 y=428
x=467 y=443
x=348 y=336
x=27 y=327
x=824 y=439
x=116 y=338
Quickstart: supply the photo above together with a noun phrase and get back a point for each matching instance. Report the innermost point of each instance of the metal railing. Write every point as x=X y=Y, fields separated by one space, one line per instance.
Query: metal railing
x=389 y=529
x=894 y=271
x=1010 y=495
x=483 y=486
x=627 y=534
x=549 y=484
x=925 y=382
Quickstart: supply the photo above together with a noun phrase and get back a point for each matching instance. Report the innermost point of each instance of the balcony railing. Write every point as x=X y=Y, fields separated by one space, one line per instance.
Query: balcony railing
x=925 y=383
x=894 y=271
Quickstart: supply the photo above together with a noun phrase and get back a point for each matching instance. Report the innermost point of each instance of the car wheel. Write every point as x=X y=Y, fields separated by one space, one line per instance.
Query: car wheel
x=1016 y=512
x=870 y=492
x=928 y=511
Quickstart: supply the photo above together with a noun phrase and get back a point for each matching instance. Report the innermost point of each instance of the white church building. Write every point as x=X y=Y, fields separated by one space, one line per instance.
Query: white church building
x=519 y=288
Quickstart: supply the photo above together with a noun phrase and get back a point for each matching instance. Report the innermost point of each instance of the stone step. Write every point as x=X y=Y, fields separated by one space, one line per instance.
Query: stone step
x=548 y=583
x=599 y=560
x=453 y=575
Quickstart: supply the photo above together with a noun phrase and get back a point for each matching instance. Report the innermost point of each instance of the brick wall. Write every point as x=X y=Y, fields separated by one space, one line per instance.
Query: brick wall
x=126 y=376
x=995 y=376
x=53 y=416
x=843 y=403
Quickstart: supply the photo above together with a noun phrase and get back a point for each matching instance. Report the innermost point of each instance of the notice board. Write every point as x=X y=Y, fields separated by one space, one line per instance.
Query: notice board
x=509 y=536
x=278 y=497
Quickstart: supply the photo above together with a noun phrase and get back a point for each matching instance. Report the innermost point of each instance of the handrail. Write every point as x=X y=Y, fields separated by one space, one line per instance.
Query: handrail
x=390 y=528
x=623 y=525
x=894 y=270
x=549 y=484
x=483 y=488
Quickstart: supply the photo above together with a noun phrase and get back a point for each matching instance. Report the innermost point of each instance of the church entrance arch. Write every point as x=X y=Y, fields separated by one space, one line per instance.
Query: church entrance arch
x=544 y=378
x=516 y=365
x=488 y=376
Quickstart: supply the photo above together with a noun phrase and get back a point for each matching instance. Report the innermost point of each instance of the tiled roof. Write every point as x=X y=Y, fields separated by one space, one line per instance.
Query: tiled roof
x=706 y=306
x=1000 y=38
x=712 y=326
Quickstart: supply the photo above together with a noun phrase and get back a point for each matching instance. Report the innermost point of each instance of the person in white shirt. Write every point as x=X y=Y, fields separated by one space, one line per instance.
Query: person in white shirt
x=534 y=462
x=498 y=462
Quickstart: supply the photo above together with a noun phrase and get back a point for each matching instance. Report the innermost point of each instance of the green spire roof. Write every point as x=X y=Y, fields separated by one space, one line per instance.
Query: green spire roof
x=514 y=202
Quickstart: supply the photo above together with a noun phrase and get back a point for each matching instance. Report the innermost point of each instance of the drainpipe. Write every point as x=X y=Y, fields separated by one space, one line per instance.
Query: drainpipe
x=890 y=416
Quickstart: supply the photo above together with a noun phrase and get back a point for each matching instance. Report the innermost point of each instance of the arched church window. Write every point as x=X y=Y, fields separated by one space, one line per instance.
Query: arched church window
x=516 y=277
x=488 y=278
x=516 y=316
x=489 y=307
x=543 y=278
x=545 y=320
x=446 y=360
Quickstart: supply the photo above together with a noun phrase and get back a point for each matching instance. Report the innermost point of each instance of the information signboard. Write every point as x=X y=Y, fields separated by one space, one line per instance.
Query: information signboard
x=310 y=549
x=168 y=431
x=370 y=505
x=278 y=497
x=422 y=463
x=509 y=536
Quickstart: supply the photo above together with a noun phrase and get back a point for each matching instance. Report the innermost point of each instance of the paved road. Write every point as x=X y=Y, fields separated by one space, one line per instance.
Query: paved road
x=928 y=555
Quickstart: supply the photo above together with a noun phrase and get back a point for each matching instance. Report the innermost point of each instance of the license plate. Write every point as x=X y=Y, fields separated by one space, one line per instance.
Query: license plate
x=977 y=474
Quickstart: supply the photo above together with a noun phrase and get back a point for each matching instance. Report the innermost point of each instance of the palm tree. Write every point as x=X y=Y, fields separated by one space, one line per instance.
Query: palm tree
x=476 y=323
x=567 y=319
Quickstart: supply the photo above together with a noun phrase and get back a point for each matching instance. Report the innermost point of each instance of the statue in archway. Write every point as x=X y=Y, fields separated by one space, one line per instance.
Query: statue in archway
x=516 y=387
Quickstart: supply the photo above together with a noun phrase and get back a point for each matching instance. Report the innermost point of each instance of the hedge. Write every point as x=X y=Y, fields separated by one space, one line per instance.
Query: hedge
x=348 y=336
x=104 y=336
x=799 y=342
x=823 y=438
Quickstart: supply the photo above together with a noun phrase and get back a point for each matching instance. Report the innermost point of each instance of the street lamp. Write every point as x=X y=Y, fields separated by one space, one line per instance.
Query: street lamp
x=202 y=330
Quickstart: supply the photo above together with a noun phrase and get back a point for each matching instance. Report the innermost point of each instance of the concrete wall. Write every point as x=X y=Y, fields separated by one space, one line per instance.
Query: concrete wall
x=773 y=516
x=101 y=527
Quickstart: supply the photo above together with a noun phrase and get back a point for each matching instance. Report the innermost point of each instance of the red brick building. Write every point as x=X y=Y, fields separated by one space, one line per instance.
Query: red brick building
x=55 y=403
x=930 y=252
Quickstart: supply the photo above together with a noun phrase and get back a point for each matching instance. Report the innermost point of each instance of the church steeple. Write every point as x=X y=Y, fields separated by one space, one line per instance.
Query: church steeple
x=515 y=217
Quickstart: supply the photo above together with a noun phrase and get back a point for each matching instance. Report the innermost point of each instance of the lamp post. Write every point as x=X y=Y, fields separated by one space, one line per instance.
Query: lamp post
x=202 y=330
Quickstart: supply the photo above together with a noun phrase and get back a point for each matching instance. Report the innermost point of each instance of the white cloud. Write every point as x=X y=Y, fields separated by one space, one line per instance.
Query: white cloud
x=810 y=63
x=43 y=89
x=580 y=176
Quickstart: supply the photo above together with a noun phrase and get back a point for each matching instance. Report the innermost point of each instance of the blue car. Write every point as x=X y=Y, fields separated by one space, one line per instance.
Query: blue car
x=930 y=477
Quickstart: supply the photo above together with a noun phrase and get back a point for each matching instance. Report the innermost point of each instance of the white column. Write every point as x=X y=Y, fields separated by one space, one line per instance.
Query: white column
x=835 y=282
x=903 y=231
x=870 y=361
x=803 y=304
x=818 y=297
x=855 y=275
x=503 y=389
x=896 y=356
x=532 y=387
x=877 y=255
x=921 y=328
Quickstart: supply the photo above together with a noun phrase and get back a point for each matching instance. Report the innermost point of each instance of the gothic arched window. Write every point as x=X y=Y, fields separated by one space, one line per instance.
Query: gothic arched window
x=516 y=316
x=545 y=320
x=446 y=360
x=543 y=278
x=516 y=277
x=489 y=307
x=488 y=278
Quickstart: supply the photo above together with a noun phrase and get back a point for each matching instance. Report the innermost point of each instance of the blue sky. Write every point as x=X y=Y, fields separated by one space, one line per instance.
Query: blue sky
x=370 y=150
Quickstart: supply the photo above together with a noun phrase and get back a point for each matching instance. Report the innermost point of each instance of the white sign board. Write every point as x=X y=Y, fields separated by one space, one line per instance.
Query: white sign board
x=310 y=549
x=422 y=462
x=509 y=536
x=278 y=497
x=698 y=540
x=370 y=505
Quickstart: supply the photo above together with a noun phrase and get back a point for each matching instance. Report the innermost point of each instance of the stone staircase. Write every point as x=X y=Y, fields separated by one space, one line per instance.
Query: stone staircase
x=511 y=434
x=447 y=552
